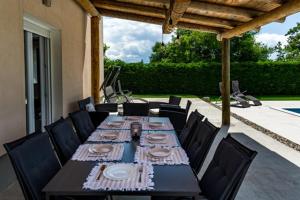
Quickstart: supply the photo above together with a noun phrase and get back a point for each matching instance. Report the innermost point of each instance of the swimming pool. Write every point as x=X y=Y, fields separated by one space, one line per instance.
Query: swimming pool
x=295 y=110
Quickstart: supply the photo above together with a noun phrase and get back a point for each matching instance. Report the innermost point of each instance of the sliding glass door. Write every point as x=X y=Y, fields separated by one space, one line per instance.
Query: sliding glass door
x=38 y=81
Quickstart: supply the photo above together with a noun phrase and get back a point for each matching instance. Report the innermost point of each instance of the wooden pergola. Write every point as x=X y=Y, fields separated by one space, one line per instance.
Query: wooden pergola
x=225 y=18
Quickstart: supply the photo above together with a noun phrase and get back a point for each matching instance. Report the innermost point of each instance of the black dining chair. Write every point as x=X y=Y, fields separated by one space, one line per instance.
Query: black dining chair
x=101 y=110
x=135 y=109
x=176 y=115
x=101 y=107
x=200 y=143
x=178 y=119
x=64 y=139
x=189 y=129
x=34 y=163
x=176 y=108
x=83 y=124
x=174 y=100
x=225 y=173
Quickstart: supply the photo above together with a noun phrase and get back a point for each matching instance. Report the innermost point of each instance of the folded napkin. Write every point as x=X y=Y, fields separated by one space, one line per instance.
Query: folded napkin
x=177 y=157
x=131 y=184
x=97 y=136
x=83 y=153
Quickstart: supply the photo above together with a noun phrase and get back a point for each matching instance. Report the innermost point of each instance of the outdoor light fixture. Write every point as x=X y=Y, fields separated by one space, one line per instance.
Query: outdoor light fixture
x=47 y=3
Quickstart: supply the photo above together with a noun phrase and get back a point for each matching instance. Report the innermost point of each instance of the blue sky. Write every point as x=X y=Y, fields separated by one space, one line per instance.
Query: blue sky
x=132 y=41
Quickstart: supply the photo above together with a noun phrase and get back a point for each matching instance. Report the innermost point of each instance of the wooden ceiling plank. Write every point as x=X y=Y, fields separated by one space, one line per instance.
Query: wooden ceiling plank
x=131 y=16
x=176 y=10
x=128 y=7
x=159 y=12
x=234 y=13
x=88 y=7
x=212 y=21
x=156 y=20
x=289 y=8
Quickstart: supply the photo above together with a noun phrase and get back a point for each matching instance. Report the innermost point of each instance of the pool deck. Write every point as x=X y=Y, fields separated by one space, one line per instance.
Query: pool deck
x=270 y=117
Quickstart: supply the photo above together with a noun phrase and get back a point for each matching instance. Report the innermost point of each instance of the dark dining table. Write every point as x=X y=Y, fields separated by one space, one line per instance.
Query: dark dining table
x=169 y=180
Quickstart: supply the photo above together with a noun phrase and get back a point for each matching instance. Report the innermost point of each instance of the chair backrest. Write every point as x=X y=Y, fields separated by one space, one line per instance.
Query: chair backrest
x=83 y=124
x=178 y=119
x=64 y=139
x=200 y=143
x=227 y=170
x=188 y=106
x=135 y=109
x=82 y=103
x=189 y=128
x=235 y=87
x=34 y=162
x=174 y=100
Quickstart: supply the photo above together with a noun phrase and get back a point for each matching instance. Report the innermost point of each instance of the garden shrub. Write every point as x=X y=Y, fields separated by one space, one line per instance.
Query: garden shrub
x=258 y=78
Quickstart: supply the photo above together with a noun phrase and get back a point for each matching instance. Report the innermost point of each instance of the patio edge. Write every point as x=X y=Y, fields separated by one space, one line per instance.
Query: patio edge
x=275 y=136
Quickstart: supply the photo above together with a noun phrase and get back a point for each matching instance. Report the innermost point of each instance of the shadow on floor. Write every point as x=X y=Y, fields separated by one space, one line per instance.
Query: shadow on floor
x=270 y=176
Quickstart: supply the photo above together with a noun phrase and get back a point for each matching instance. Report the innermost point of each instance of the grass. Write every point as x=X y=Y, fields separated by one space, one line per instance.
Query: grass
x=215 y=98
x=164 y=95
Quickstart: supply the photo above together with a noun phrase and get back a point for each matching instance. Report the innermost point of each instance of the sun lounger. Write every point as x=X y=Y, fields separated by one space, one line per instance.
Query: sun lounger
x=236 y=92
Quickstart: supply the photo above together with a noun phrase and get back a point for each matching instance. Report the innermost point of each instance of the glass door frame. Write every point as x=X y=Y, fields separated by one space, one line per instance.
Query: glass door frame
x=43 y=34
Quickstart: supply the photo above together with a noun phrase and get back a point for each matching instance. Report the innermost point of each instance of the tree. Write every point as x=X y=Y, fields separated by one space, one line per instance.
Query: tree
x=280 y=51
x=293 y=47
x=194 y=46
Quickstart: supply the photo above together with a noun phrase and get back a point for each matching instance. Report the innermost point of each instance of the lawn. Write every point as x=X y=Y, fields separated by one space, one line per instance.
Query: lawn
x=215 y=98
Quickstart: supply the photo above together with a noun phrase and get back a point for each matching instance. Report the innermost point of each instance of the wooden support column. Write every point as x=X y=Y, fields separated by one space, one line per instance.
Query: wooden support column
x=226 y=82
x=95 y=52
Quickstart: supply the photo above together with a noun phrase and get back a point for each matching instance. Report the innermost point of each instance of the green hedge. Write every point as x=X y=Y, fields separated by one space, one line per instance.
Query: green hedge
x=262 y=78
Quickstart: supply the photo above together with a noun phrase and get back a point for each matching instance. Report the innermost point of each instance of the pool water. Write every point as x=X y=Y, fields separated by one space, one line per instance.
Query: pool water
x=295 y=110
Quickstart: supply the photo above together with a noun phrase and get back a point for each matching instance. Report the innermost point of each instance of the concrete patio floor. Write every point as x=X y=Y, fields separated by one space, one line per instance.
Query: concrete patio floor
x=274 y=174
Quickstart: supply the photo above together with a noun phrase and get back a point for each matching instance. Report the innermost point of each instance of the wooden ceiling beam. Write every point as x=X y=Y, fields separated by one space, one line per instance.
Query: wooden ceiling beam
x=131 y=16
x=289 y=8
x=156 y=20
x=88 y=7
x=211 y=21
x=129 y=7
x=176 y=10
x=233 y=13
x=159 y=12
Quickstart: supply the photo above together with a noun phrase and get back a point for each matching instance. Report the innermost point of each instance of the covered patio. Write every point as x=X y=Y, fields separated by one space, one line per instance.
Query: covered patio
x=209 y=157
x=227 y=19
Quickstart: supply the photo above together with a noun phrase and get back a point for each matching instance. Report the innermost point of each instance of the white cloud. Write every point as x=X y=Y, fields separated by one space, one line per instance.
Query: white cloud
x=271 y=39
x=130 y=41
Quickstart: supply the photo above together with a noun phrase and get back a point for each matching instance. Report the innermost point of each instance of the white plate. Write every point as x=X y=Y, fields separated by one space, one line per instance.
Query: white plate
x=119 y=172
x=115 y=123
x=101 y=148
x=110 y=135
x=133 y=118
x=156 y=136
x=155 y=124
x=159 y=152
